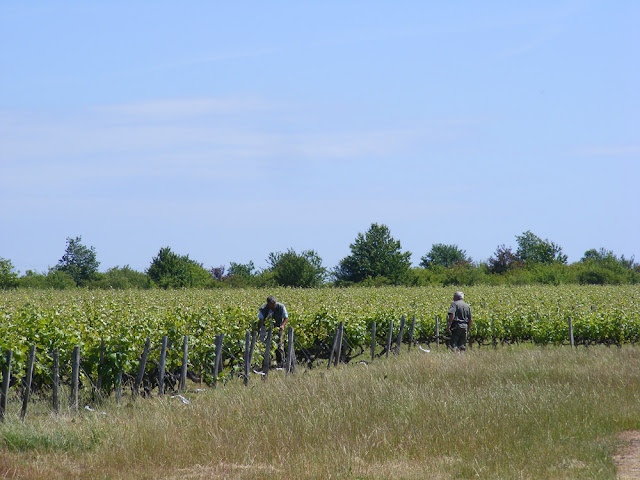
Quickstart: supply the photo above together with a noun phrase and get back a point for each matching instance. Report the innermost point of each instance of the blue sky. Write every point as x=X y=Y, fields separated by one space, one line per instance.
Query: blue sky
x=229 y=130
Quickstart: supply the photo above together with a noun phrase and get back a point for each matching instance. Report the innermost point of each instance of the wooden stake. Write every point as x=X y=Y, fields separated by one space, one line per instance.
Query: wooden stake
x=266 y=362
x=28 y=380
x=373 y=340
x=6 y=381
x=291 y=355
x=217 y=365
x=333 y=347
x=400 y=333
x=247 y=357
x=185 y=362
x=141 y=367
x=411 y=333
x=100 y=367
x=161 y=367
x=55 y=379
x=75 y=377
x=571 y=333
x=339 y=344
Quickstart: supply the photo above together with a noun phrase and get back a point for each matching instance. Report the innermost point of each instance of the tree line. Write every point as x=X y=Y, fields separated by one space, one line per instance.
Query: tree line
x=376 y=259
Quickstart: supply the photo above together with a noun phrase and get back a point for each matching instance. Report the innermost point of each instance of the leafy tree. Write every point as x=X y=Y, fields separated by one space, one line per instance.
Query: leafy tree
x=218 y=272
x=444 y=256
x=245 y=270
x=503 y=260
x=607 y=257
x=291 y=269
x=374 y=254
x=53 y=279
x=79 y=261
x=242 y=275
x=594 y=255
x=121 y=278
x=170 y=270
x=602 y=267
x=59 y=280
x=8 y=278
x=532 y=249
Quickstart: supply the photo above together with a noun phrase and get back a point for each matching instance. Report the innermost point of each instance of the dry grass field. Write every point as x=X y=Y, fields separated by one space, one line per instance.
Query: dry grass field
x=515 y=412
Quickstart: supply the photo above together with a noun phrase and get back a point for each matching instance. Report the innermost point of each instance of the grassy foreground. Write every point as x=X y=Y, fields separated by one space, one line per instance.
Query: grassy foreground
x=521 y=412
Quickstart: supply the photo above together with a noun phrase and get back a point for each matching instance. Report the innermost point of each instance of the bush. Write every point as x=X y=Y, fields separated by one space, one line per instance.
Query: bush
x=8 y=278
x=121 y=279
x=170 y=270
x=54 y=279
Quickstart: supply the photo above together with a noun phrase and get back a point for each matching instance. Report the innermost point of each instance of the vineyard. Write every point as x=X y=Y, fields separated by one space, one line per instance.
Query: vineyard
x=111 y=327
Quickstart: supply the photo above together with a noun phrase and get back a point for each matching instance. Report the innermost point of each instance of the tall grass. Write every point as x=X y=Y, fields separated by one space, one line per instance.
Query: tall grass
x=509 y=413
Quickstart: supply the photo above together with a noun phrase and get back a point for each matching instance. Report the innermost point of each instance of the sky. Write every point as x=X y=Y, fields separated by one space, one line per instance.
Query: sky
x=230 y=130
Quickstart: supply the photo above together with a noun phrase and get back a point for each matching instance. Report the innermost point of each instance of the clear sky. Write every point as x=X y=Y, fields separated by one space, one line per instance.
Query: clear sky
x=229 y=130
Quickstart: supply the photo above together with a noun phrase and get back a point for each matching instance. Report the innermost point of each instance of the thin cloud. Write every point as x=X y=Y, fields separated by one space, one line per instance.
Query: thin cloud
x=609 y=151
x=191 y=107
x=229 y=129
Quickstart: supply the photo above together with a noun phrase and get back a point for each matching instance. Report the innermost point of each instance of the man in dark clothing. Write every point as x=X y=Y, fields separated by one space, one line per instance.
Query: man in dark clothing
x=459 y=322
x=277 y=312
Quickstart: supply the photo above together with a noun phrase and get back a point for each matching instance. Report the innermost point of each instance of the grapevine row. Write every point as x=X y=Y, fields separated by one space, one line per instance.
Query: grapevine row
x=118 y=323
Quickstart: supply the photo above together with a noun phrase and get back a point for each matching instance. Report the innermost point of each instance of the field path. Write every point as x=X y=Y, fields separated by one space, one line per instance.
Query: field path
x=628 y=457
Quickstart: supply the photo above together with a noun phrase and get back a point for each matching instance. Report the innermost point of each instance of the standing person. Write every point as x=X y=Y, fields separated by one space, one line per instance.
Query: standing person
x=459 y=322
x=278 y=313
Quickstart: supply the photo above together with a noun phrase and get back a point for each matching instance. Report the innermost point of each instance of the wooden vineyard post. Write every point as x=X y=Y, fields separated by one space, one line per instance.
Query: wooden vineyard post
x=75 y=377
x=333 y=349
x=161 y=367
x=411 y=333
x=373 y=340
x=338 y=356
x=400 y=333
x=494 y=339
x=334 y=345
x=119 y=386
x=185 y=362
x=6 y=381
x=254 y=337
x=100 y=367
x=28 y=380
x=571 y=333
x=217 y=364
x=247 y=357
x=141 y=367
x=437 y=331
x=389 y=337
x=266 y=361
x=55 y=379
x=291 y=352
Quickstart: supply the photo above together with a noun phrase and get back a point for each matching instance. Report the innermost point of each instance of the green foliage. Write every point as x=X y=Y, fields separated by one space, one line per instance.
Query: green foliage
x=504 y=260
x=33 y=279
x=444 y=256
x=124 y=319
x=8 y=277
x=603 y=267
x=532 y=249
x=121 y=278
x=241 y=275
x=246 y=270
x=374 y=254
x=291 y=269
x=54 y=279
x=60 y=280
x=460 y=274
x=79 y=261
x=170 y=270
